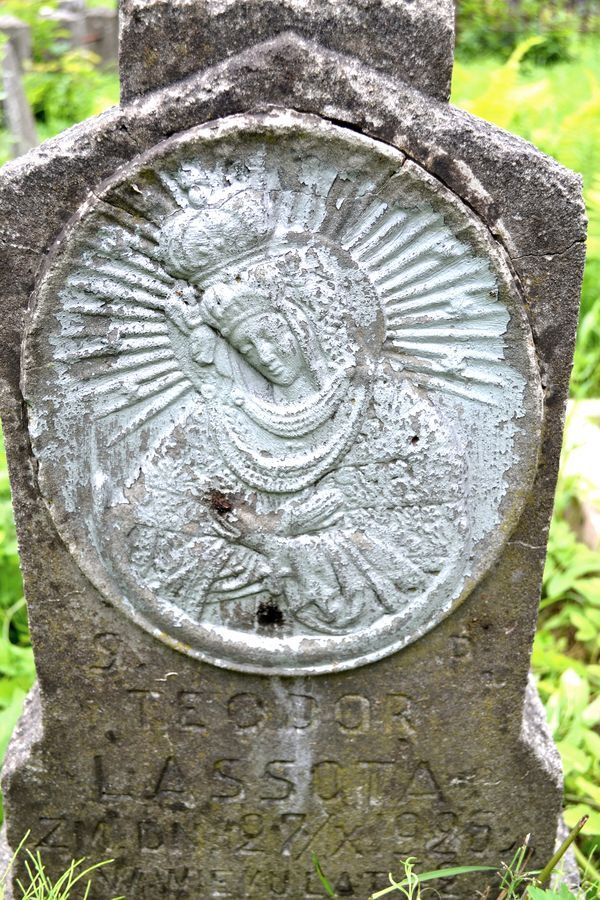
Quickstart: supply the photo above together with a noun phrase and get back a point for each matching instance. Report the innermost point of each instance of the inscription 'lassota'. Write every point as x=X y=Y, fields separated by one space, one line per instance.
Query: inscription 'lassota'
x=294 y=389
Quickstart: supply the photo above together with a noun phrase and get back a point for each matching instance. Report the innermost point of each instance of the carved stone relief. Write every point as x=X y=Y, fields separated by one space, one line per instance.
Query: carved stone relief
x=282 y=395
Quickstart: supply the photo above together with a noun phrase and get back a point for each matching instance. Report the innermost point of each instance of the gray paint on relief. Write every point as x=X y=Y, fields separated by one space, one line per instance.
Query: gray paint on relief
x=299 y=372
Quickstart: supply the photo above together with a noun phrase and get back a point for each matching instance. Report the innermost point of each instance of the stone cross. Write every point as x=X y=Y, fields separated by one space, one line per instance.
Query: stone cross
x=286 y=348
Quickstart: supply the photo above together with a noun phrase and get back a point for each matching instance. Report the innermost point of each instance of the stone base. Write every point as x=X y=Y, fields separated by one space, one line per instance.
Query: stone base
x=376 y=794
x=27 y=734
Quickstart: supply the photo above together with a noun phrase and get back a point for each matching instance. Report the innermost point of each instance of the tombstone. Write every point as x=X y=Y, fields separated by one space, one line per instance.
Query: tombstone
x=76 y=6
x=95 y=29
x=102 y=33
x=70 y=19
x=19 y=35
x=17 y=111
x=283 y=421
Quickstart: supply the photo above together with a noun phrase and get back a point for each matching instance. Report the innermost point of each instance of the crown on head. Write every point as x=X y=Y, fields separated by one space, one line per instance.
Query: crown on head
x=225 y=306
x=197 y=242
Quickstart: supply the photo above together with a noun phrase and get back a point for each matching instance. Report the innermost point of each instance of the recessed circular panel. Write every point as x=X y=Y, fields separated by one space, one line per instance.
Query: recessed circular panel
x=282 y=395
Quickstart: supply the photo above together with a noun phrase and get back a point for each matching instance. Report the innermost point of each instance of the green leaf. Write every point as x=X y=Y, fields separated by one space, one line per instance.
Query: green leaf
x=591 y=714
x=322 y=877
x=432 y=876
x=574 y=759
x=587 y=788
x=589 y=588
x=592 y=743
x=586 y=630
x=573 y=814
x=574 y=689
x=594 y=671
x=536 y=893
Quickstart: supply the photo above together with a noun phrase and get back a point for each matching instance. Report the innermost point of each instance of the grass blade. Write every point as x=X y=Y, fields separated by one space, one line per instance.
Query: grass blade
x=546 y=872
x=322 y=877
x=431 y=876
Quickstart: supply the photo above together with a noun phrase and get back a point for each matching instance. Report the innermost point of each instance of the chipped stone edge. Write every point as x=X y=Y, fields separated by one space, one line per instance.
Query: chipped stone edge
x=28 y=734
x=536 y=737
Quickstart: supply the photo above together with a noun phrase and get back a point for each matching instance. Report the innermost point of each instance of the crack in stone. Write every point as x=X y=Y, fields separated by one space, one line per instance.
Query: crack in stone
x=11 y=245
x=545 y=253
x=539 y=547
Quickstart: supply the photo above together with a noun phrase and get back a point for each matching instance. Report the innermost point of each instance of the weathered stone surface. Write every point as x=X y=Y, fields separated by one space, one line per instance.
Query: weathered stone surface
x=343 y=373
x=163 y=42
x=210 y=782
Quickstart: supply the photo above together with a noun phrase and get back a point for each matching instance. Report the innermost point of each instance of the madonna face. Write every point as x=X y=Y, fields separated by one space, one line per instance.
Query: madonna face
x=268 y=345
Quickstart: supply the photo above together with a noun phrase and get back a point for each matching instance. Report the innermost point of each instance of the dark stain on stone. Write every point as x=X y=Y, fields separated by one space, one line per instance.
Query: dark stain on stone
x=344 y=886
x=220 y=503
x=269 y=614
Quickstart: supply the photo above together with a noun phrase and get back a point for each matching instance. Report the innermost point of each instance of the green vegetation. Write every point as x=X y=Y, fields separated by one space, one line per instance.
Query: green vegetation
x=68 y=89
x=510 y=882
x=557 y=108
x=566 y=661
x=63 y=86
x=39 y=886
x=495 y=27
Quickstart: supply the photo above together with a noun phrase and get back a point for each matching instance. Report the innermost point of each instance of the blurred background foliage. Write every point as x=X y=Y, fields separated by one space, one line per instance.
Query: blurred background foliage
x=556 y=107
x=495 y=27
x=63 y=85
x=533 y=67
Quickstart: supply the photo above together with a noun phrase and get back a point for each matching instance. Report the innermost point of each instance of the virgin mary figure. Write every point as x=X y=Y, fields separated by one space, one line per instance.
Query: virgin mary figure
x=307 y=476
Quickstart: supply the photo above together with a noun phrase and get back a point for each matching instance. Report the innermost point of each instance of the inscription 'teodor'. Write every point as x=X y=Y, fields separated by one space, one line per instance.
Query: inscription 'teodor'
x=282 y=395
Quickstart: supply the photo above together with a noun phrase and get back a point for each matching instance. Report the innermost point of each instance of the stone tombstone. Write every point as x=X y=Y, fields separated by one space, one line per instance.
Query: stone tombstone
x=18 y=115
x=70 y=20
x=102 y=37
x=19 y=36
x=286 y=349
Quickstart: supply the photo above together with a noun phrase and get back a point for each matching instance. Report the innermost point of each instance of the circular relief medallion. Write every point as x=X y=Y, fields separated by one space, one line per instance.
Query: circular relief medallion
x=282 y=395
